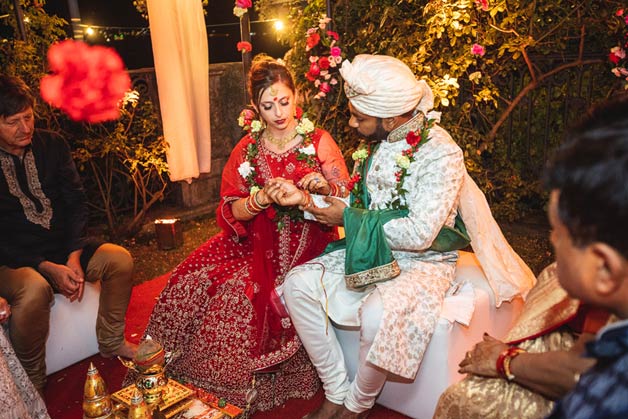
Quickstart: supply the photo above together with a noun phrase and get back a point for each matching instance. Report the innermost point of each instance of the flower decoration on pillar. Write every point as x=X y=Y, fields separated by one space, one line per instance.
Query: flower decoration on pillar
x=617 y=54
x=244 y=46
x=242 y=7
x=86 y=82
x=325 y=57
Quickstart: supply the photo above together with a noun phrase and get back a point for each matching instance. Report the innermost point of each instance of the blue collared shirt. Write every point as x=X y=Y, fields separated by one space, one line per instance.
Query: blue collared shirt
x=601 y=392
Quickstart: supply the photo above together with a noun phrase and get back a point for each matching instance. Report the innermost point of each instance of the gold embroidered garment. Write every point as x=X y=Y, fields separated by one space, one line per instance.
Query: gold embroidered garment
x=548 y=306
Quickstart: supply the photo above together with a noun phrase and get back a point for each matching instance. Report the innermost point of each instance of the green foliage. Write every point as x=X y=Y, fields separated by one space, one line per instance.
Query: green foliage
x=123 y=162
x=528 y=45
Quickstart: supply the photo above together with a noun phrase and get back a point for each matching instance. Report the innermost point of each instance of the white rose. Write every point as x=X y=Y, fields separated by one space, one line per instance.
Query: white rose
x=305 y=126
x=245 y=169
x=402 y=161
x=239 y=11
x=256 y=126
x=309 y=150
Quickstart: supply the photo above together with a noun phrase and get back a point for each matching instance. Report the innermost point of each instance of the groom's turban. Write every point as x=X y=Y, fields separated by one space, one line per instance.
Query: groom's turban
x=383 y=87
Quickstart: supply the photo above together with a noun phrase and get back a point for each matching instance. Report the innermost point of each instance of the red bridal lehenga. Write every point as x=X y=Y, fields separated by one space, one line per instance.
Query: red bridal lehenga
x=216 y=309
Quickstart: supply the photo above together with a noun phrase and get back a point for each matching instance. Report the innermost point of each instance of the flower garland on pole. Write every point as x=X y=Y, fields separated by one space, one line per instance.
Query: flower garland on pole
x=325 y=57
x=617 y=54
x=241 y=10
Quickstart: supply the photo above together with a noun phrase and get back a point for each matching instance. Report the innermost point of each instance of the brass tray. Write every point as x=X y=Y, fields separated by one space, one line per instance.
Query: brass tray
x=174 y=394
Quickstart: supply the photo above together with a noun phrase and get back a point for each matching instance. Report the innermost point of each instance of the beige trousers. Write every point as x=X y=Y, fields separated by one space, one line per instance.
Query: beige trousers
x=31 y=296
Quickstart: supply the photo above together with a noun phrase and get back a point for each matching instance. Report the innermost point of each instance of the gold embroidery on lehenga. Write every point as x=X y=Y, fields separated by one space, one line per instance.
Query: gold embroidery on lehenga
x=33 y=215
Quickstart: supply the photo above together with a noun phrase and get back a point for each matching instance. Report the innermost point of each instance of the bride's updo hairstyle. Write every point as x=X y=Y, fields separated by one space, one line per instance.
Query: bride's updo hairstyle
x=266 y=71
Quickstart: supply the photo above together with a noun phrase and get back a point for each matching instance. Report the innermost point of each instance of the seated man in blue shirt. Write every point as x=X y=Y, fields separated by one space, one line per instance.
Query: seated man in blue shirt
x=588 y=179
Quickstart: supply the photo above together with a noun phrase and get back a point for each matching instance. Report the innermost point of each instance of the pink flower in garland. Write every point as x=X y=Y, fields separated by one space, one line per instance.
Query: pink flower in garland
x=478 y=49
x=242 y=7
x=324 y=57
x=324 y=87
x=244 y=46
x=86 y=82
x=483 y=4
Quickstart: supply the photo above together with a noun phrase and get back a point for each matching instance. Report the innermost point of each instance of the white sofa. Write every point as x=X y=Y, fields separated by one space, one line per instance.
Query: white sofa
x=447 y=348
x=72 y=336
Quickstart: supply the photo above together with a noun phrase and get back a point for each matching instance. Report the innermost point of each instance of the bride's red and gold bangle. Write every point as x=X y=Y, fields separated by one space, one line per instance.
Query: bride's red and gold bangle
x=337 y=190
x=307 y=198
x=257 y=203
x=252 y=205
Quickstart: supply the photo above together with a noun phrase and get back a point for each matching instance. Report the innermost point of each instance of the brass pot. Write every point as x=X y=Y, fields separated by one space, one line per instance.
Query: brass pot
x=152 y=383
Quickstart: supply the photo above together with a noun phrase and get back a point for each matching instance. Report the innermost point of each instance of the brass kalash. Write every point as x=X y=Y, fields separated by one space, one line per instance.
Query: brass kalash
x=164 y=397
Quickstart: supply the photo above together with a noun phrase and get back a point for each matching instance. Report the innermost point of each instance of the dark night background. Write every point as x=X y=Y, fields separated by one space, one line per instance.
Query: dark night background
x=121 y=17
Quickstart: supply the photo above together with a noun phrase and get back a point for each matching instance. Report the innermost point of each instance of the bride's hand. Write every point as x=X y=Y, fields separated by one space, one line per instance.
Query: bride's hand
x=314 y=182
x=283 y=192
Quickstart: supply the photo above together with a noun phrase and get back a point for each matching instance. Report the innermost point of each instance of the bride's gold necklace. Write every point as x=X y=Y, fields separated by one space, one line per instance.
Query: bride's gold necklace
x=280 y=142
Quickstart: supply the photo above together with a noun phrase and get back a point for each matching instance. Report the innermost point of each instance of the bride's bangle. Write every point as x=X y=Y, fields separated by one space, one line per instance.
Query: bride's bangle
x=307 y=198
x=262 y=206
x=333 y=189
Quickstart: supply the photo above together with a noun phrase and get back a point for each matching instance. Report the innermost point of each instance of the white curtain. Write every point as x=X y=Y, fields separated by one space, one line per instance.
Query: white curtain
x=179 y=39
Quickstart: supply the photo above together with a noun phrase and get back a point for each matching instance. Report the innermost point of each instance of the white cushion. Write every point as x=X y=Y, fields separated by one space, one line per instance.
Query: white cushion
x=450 y=342
x=72 y=336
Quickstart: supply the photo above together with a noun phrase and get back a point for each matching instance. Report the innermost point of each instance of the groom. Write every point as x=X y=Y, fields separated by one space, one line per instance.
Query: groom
x=406 y=194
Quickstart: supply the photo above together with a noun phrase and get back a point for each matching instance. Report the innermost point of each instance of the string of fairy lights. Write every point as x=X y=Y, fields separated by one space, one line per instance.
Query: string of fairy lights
x=120 y=33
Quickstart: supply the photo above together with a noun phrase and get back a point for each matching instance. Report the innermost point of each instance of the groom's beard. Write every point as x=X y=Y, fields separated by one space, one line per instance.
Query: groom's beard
x=379 y=135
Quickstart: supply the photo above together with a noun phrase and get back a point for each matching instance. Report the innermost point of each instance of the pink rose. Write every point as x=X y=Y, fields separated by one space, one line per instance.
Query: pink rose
x=244 y=4
x=478 y=49
x=335 y=51
x=324 y=87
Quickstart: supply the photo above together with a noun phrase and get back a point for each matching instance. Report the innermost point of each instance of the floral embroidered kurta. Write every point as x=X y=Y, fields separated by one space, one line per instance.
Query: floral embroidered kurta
x=412 y=301
x=217 y=309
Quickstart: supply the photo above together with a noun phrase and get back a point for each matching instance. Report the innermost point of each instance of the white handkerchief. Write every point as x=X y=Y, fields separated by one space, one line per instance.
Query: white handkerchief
x=459 y=307
x=319 y=201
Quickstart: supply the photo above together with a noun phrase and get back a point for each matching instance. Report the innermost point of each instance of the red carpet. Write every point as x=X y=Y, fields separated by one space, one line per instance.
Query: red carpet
x=64 y=392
